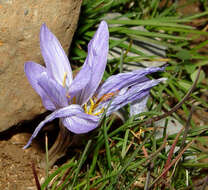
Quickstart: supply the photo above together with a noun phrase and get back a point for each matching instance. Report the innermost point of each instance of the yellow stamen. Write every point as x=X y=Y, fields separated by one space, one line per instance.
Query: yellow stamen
x=67 y=95
x=105 y=97
x=85 y=108
x=64 y=80
x=98 y=113
x=91 y=106
x=74 y=100
x=95 y=98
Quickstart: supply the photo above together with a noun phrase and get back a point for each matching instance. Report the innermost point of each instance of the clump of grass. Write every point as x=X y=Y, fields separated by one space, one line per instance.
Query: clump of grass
x=130 y=155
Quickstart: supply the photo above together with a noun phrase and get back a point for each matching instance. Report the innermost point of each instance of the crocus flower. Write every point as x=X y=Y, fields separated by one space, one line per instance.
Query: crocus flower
x=80 y=102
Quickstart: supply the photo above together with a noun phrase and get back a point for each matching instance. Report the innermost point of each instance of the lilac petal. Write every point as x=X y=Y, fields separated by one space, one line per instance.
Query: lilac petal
x=54 y=90
x=119 y=81
x=97 y=59
x=130 y=94
x=56 y=61
x=80 y=82
x=138 y=106
x=82 y=123
x=63 y=112
x=33 y=72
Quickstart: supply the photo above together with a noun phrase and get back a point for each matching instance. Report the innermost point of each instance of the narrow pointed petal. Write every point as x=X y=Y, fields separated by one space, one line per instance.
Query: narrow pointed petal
x=130 y=94
x=56 y=61
x=33 y=72
x=119 y=81
x=63 y=112
x=97 y=59
x=82 y=123
x=80 y=82
x=54 y=90
x=138 y=106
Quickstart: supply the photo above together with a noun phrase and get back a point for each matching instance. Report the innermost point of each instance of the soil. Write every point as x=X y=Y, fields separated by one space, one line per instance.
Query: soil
x=16 y=164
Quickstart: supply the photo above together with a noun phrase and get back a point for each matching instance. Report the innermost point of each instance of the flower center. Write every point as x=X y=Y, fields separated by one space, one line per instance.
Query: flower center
x=91 y=108
x=94 y=102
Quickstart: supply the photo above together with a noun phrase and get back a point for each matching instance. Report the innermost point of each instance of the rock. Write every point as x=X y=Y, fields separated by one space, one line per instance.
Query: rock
x=19 y=42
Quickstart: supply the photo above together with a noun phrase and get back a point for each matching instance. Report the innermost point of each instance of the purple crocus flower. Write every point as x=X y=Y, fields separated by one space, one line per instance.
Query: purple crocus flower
x=80 y=102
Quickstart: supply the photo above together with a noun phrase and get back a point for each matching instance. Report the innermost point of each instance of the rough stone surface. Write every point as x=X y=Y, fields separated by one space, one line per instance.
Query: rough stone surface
x=20 y=23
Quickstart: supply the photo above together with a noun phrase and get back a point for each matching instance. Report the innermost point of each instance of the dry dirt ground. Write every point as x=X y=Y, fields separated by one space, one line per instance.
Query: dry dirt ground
x=16 y=164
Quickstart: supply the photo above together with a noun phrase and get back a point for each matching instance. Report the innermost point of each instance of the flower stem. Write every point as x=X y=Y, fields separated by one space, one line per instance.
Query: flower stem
x=60 y=146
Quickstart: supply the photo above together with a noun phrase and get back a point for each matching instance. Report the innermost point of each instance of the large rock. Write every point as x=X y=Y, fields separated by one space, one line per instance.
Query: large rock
x=20 y=23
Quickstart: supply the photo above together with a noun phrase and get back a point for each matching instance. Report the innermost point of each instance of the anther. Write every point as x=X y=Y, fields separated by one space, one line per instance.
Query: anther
x=64 y=80
x=106 y=97
x=74 y=100
x=68 y=96
x=98 y=113
x=85 y=108
x=91 y=106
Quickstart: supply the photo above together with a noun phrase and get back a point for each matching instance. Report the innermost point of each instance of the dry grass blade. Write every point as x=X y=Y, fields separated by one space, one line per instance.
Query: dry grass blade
x=187 y=128
x=36 y=177
x=171 y=153
x=170 y=165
